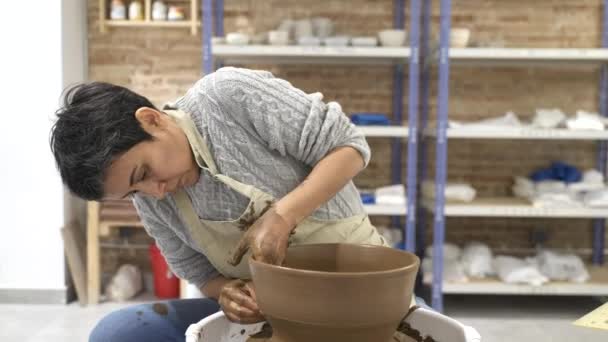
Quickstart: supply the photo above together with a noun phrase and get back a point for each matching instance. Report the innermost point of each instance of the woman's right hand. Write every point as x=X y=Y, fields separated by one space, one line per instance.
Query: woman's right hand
x=238 y=302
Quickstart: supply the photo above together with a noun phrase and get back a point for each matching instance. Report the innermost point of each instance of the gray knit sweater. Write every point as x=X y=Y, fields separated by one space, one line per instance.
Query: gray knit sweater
x=261 y=131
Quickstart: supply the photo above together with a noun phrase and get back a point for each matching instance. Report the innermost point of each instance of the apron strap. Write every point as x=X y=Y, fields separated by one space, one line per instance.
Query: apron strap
x=203 y=156
x=197 y=142
x=184 y=204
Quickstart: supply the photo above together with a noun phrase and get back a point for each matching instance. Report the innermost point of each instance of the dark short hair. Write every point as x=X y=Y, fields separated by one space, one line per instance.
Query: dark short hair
x=95 y=125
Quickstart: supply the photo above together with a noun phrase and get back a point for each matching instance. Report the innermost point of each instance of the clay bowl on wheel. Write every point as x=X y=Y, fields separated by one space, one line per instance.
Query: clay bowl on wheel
x=336 y=292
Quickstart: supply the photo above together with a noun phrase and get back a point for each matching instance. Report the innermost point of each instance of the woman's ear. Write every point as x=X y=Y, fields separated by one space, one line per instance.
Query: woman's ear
x=150 y=119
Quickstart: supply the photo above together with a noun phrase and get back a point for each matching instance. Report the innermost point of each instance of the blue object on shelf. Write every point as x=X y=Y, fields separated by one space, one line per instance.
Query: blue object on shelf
x=370 y=119
x=368 y=198
x=558 y=171
x=400 y=245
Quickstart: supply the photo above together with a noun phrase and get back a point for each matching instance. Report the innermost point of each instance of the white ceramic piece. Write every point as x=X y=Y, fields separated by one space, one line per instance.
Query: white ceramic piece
x=260 y=38
x=118 y=10
x=392 y=38
x=236 y=38
x=176 y=13
x=289 y=26
x=278 y=37
x=364 y=41
x=309 y=41
x=459 y=37
x=136 y=11
x=322 y=27
x=303 y=28
x=337 y=41
x=159 y=10
x=218 y=40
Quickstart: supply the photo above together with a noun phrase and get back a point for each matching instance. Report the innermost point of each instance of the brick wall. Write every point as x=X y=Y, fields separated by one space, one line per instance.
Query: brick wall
x=162 y=63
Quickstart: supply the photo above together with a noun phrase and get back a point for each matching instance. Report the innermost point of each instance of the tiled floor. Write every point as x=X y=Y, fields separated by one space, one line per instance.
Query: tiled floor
x=497 y=319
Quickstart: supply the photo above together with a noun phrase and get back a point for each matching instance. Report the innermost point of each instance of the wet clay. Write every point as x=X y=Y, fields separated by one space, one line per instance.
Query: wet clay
x=250 y=217
x=335 y=292
x=406 y=329
x=160 y=309
x=264 y=335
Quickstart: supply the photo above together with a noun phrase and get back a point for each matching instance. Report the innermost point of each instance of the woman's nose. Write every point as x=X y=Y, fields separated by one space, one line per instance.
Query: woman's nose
x=156 y=189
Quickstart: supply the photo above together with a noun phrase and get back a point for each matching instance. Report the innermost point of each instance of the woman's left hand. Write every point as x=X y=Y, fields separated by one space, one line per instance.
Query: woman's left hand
x=267 y=238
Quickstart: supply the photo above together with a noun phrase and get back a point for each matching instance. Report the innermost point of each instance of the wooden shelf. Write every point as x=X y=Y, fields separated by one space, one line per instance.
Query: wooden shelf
x=193 y=23
x=144 y=23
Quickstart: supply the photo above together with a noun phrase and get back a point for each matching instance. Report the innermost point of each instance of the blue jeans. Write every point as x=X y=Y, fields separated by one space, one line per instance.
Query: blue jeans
x=157 y=322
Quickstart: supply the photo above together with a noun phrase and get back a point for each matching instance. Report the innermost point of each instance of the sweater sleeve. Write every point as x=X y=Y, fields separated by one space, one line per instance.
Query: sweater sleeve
x=285 y=118
x=184 y=262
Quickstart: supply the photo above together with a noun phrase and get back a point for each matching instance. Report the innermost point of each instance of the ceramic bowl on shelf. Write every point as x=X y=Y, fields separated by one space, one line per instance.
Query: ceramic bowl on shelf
x=289 y=26
x=278 y=37
x=322 y=27
x=303 y=28
x=459 y=37
x=236 y=38
x=176 y=13
x=218 y=40
x=259 y=38
x=392 y=38
x=309 y=41
x=364 y=41
x=337 y=41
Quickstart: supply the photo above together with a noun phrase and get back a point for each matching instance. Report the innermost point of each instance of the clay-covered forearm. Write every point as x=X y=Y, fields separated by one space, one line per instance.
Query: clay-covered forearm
x=327 y=178
x=213 y=287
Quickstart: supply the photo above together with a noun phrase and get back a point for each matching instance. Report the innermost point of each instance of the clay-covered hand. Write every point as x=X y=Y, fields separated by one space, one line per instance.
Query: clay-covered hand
x=237 y=300
x=267 y=238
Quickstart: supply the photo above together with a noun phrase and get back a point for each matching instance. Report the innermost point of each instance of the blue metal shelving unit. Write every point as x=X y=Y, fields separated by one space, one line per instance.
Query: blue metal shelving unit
x=441 y=143
x=413 y=138
x=599 y=226
x=215 y=15
x=441 y=153
x=425 y=93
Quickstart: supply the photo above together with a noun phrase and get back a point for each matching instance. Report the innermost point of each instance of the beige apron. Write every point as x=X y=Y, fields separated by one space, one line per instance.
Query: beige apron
x=218 y=239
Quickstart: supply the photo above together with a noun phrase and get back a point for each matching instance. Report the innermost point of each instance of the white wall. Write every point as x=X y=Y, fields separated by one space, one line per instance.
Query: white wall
x=31 y=193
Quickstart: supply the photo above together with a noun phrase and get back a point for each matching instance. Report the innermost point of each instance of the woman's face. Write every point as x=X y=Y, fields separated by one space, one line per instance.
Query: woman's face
x=155 y=167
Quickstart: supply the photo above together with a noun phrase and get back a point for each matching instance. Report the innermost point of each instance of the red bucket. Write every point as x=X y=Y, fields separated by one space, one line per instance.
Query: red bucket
x=166 y=284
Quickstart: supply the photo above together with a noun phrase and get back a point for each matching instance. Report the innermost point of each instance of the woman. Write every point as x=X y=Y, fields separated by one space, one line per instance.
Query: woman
x=243 y=163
